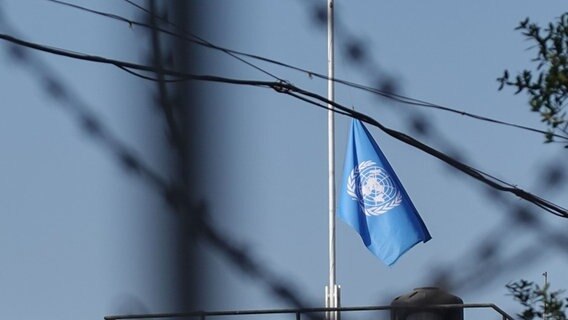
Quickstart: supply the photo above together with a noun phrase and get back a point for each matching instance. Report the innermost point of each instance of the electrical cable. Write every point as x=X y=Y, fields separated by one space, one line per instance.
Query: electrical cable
x=286 y=88
x=237 y=55
x=148 y=26
x=139 y=75
x=477 y=174
x=125 y=159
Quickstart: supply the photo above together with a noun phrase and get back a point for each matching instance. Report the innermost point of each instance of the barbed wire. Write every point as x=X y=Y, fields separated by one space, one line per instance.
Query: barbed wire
x=131 y=162
x=173 y=194
x=286 y=88
x=470 y=271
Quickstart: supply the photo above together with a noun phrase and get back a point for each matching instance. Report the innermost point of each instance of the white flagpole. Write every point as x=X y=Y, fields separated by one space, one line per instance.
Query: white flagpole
x=545 y=274
x=332 y=290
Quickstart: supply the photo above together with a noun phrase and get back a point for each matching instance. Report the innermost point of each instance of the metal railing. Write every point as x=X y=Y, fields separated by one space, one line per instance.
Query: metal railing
x=308 y=312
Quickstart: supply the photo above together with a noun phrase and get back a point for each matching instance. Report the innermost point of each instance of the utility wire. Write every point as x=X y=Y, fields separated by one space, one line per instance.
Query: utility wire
x=396 y=97
x=191 y=37
x=464 y=280
x=130 y=65
x=229 y=251
x=287 y=88
x=494 y=248
x=148 y=26
x=202 y=40
x=477 y=174
x=139 y=75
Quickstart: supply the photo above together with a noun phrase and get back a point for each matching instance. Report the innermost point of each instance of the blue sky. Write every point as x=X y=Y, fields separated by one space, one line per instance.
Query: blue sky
x=81 y=237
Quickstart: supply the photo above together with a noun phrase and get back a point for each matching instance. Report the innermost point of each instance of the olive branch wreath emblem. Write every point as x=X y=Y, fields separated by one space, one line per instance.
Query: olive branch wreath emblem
x=352 y=190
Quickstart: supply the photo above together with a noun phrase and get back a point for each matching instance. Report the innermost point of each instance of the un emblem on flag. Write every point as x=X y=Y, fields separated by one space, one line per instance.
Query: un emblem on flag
x=373 y=188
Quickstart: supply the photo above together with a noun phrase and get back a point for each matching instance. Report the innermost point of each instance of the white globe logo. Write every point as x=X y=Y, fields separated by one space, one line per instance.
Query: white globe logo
x=373 y=188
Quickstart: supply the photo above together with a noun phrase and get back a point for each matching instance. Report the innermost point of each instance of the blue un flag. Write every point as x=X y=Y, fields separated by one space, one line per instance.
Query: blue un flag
x=373 y=201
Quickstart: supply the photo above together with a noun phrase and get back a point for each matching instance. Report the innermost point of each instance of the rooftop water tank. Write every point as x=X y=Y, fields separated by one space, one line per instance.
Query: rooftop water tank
x=425 y=297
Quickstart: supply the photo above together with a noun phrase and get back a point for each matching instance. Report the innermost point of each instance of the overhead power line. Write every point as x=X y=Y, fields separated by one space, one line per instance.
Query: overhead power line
x=131 y=23
x=320 y=101
x=191 y=37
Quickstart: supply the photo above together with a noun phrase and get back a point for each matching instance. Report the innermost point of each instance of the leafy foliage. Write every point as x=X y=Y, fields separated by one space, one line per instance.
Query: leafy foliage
x=538 y=302
x=547 y=85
